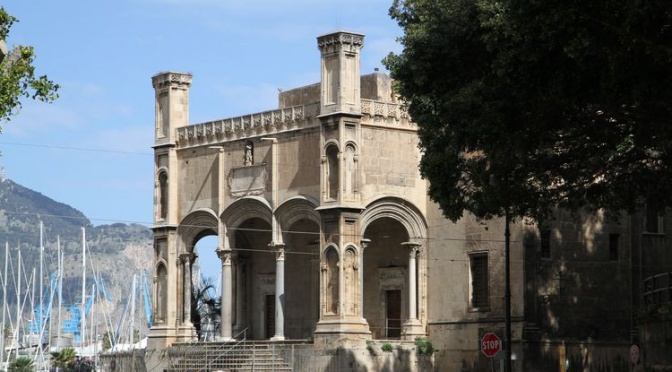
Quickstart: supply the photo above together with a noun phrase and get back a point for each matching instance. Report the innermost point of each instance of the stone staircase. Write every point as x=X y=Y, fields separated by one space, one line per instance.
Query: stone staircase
x=228 y=357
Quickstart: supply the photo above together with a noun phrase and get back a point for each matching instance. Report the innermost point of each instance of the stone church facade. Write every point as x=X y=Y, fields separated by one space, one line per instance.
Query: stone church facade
x=325 y=233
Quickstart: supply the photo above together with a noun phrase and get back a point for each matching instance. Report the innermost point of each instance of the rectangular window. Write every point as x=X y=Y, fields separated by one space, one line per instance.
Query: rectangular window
x=480 y=294
x=545 y=236
x=653 y=218
x=613 y=247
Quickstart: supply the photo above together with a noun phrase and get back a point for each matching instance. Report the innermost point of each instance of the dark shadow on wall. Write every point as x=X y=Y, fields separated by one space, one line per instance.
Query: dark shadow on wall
x=398 y=360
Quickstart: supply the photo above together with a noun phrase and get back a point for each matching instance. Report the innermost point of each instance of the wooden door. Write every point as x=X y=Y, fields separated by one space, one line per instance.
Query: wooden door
x=393 y=313
x=270 y=316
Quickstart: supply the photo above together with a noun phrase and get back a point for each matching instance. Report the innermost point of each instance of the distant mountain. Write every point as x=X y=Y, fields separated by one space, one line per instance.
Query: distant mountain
x=114 y=252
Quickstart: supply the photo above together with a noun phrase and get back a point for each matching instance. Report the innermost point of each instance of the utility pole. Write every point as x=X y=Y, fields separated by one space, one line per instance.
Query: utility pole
x=507 y=293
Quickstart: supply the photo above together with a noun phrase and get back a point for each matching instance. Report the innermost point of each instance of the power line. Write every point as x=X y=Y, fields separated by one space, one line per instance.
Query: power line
x=75 y=148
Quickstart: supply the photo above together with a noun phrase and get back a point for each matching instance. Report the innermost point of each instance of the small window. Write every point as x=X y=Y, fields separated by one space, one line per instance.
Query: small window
x=163 y=195
x=653 y=218
x=613 y=247
x=545 y=236
x=480 y=295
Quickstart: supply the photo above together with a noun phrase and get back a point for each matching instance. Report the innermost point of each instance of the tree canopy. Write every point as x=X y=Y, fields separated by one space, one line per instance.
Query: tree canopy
x=561 y=103
x=17 y=74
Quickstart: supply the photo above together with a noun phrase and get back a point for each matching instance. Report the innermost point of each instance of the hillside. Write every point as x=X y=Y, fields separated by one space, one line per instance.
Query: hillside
x=114 y=252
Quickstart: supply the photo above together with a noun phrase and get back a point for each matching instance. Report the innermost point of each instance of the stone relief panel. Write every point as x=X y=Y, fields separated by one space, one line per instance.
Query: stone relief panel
x=249 y=180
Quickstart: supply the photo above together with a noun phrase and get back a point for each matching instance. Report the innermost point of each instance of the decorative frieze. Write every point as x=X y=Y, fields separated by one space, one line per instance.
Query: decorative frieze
x=332 y=43
x=264 y=123
x=168 y=78
x=386 y=114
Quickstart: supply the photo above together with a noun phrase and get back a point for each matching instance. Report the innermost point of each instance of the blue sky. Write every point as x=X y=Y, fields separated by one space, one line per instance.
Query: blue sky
x=91 y=148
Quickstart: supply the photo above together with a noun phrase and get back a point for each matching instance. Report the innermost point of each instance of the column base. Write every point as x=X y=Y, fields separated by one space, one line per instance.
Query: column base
x=331 y=333
x=278 y=338
x=186 y=332
x=224 y=339
x=412 y=329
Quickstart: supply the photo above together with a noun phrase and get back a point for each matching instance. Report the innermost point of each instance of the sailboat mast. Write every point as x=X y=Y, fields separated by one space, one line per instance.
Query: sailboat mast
x=18 y=303
x=41 y=282
x=4 y=306
x=83 y=314
x=132 y=322
x=60 y=288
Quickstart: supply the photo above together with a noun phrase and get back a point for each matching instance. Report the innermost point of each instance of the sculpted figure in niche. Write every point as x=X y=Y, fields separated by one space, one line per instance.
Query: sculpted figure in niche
x=249 y=157
x=332 y=282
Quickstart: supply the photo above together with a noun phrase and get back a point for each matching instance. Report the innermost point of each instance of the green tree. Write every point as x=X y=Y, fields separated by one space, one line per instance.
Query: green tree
x=205 y=307
x=563 y=103
x=22 y=364
x=17 y=74
x=65 y=359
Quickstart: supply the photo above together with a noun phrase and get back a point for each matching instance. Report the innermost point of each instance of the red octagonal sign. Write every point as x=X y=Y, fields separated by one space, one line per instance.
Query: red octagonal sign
x=491 y=344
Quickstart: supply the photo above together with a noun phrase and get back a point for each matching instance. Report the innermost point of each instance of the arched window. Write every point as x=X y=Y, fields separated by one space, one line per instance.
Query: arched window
x=163 y=195
x=332 y=172
x=350 y=172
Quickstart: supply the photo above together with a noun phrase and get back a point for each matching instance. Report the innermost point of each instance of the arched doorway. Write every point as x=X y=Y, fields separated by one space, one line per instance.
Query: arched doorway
x=301 y=279
x=254 y=279
x=385 y=278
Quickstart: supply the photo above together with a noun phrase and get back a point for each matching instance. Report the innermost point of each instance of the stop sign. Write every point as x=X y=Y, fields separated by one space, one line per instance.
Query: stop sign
x=490 y=344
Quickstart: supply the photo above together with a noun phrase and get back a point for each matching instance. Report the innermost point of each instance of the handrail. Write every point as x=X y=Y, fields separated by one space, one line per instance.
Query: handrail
x=225 y=352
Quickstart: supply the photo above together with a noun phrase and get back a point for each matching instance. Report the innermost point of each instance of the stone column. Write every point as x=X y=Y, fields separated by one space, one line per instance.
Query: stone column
x=412 y=285
x=279 y=293
x=412 y=328
x=363 y=243
x=227 y=295
x=240 y=263
x=186 y=259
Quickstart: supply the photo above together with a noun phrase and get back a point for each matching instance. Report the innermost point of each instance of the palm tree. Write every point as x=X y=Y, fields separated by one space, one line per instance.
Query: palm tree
x=205 y=306
x=65 y=359
x=22 y=364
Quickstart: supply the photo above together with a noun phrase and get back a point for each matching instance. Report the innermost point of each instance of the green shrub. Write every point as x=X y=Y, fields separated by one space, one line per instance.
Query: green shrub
x=370 y=347
x=423 y=346
x=387 y=347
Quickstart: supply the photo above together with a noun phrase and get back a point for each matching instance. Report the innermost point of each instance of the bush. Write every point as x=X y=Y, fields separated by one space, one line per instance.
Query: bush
x=423 y=346
x=387 y=347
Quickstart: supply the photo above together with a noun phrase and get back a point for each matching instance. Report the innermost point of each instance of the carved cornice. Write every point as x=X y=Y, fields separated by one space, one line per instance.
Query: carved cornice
x=332 y=43
x=386 y=114
x=259 y=124
x=160 y=80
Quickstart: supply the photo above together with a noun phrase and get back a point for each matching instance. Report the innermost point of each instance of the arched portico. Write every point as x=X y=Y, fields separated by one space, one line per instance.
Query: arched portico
x=394 y=269
x=300 y=224
x=194 y=226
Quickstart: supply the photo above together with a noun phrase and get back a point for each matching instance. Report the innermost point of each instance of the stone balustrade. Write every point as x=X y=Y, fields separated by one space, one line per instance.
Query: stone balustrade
x=285 y=119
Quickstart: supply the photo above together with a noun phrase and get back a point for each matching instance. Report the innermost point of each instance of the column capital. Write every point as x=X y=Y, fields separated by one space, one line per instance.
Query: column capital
x=279 y=251
x=414 y=247
x=364 y=243
x=226 y=255
x=187 y=257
